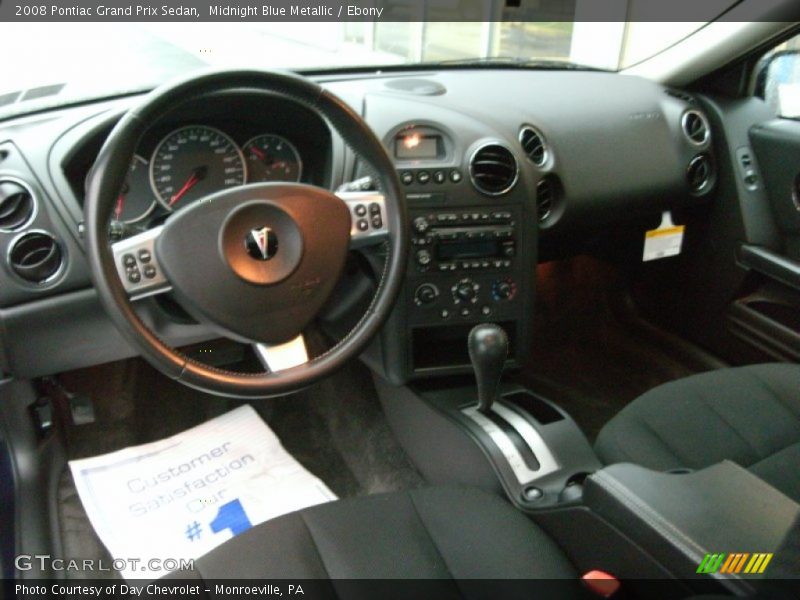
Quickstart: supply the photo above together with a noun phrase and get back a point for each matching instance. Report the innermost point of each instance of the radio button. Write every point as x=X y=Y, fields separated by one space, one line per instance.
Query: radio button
x=444 y=314
x=421 y=225
x=486 y=311
x=509 y=249
x=423 y=257
x=465 y=312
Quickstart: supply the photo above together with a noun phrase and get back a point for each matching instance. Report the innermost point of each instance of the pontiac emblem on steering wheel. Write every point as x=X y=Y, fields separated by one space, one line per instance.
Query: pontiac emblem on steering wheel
x=261 y=243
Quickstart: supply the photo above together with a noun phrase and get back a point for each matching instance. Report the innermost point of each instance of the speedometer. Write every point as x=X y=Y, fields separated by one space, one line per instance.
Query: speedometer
x=193 y=162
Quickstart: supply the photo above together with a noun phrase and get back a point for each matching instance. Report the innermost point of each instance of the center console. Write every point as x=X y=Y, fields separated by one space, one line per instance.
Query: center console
x=472 y=257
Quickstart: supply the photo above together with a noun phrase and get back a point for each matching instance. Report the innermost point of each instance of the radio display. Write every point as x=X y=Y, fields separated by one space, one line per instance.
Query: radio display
x=470 y=249
x=414 y=146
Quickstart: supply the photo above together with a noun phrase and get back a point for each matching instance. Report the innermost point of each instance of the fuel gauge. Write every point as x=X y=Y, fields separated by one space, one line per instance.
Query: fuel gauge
x=272 y=158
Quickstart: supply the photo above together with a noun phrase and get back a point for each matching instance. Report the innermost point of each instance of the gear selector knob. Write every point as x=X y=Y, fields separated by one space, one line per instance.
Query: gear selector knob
x=488 y=350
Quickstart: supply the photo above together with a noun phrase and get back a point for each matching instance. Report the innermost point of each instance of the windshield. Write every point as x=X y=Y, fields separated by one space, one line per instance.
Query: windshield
x=63 y=63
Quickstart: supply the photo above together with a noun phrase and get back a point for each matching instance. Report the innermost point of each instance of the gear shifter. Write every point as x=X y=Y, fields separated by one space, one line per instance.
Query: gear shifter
x=488 y=350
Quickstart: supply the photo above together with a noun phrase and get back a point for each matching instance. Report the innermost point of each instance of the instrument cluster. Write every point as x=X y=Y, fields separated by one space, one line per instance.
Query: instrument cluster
x=195 y=161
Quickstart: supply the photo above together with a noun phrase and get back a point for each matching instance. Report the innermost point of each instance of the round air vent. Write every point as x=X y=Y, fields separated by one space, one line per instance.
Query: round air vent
x=36 y=257
x=533 y=145
x=16 y=205
x=700 y=173
x=548 y=192
x=695 y=127
x=493 y=169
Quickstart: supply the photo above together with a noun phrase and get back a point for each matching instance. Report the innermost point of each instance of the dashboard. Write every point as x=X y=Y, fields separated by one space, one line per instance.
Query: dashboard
x=498 y=167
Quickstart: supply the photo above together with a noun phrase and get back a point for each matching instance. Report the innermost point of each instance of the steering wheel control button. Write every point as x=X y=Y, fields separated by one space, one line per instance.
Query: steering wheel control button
x=360 y=210
x=374 y=209
x=144 y=255
x=261 y=243
x=362 y=224
x=128 y=261
x=423 y=177
x=134 y=276
x=455 y=176
x=149 y=271
x=377 y=222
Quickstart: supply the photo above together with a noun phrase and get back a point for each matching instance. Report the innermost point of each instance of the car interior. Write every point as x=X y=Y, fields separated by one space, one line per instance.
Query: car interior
x=528 y=321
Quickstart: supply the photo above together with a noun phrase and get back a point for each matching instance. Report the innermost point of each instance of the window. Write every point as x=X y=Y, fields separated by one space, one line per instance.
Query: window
x=778 y=78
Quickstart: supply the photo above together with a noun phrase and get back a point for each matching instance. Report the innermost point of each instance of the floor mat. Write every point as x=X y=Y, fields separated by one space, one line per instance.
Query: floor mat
x=585 y=355
x=336 y=429
x=182 y=496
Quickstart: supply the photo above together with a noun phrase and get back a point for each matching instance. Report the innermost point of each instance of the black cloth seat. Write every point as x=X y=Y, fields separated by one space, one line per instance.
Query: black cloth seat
x=750 y=415
x=431 y=533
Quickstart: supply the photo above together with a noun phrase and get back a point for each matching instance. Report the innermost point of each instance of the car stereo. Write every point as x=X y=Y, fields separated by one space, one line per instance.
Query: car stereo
x=448 y=241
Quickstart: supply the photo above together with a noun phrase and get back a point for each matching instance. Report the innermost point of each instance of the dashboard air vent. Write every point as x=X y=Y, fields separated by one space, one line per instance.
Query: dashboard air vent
x=548 y=192
x=36 y=257
x=695 y=127
x=533 y=145
x=700 y=173
x=493 y=169
x=16 y=205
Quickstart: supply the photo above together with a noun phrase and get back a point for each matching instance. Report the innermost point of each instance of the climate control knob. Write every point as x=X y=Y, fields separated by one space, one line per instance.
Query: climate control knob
x=465 y=290
x=427 y=293
x=504 y=289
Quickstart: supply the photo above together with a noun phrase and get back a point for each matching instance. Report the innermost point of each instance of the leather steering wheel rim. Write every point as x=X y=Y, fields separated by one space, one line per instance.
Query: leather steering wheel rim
x=107 y=177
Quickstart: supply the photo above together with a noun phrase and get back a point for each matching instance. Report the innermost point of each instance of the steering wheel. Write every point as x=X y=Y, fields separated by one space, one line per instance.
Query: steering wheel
x=256 y=263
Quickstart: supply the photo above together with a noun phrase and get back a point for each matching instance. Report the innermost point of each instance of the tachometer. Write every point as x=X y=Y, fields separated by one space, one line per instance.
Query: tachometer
x=135 y=200
x=272 y=158
x=193 y=162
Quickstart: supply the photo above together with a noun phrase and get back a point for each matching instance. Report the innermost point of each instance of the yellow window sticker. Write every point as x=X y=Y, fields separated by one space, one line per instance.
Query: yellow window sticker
x=665 y=241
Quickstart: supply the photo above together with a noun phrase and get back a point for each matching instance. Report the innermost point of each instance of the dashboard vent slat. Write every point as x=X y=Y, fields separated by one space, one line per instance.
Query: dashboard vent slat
x=493 y=169
x=534 y=145
x=548 y=193
x=700 y=173
x=16 y=206
x=695 y=127
x=681 y=95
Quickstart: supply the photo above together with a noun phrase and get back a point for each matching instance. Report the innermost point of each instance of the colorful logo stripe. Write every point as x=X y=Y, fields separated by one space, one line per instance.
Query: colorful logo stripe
x=734 y=563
